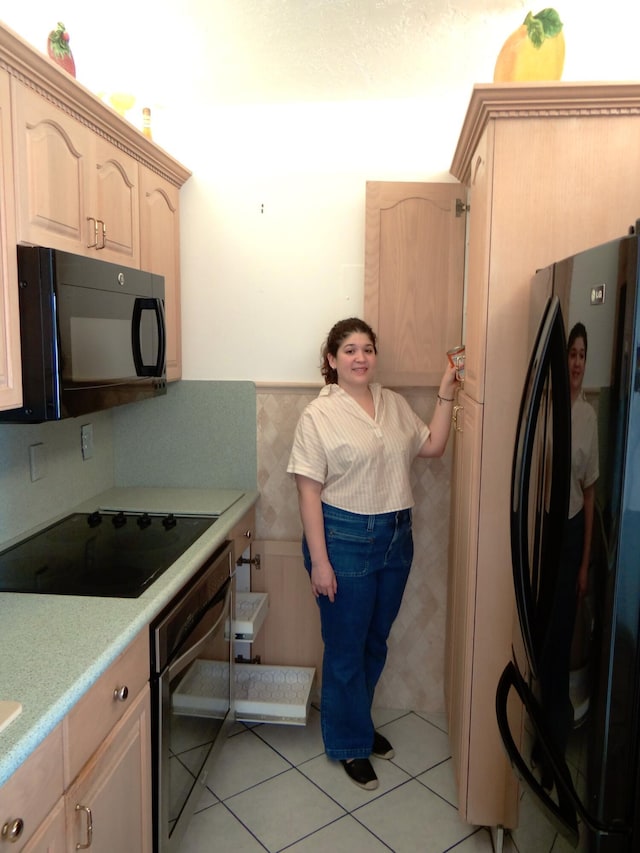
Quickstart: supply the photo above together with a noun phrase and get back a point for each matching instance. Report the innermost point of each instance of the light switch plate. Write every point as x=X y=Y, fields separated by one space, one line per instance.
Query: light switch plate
x=37 y=461
x=86 y=440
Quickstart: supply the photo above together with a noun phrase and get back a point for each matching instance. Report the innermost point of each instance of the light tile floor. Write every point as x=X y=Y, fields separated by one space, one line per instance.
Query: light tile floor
x=274 y=789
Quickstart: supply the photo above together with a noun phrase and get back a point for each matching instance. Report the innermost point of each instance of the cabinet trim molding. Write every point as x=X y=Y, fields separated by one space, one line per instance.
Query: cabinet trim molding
x=38 y=72
x=538 y=100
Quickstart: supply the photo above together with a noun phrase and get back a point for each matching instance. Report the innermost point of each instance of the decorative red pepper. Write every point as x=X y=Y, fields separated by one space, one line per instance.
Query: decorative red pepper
x=59 y=50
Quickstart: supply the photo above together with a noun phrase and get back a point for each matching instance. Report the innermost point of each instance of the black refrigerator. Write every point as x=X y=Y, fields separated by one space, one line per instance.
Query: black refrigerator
x=568 y=703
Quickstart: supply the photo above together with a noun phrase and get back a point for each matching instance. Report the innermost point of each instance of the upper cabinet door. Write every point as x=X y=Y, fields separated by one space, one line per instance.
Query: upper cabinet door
x=160 y=231
x=51 y=167
x=10 y=372
x=75 y=191
x=115 y=204
x=414 y=275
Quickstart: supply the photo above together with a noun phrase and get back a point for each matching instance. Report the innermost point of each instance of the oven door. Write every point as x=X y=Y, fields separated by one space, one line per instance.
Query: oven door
x=192 y=703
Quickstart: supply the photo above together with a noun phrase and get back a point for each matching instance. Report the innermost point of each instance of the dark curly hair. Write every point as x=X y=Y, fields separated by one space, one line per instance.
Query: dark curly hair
x=342 y=330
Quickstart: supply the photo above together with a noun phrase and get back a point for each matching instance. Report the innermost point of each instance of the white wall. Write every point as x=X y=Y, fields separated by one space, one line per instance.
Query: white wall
x=293 y=106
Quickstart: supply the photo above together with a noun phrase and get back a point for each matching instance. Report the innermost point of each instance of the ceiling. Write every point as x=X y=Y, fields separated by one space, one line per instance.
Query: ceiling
x=279 y=50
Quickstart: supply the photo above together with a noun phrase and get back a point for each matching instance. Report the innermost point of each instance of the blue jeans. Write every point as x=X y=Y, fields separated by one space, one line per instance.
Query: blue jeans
x=371 y=556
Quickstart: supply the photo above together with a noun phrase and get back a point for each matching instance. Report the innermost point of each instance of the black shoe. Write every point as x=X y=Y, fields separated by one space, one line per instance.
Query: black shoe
x=360 y=771
x=381 y=747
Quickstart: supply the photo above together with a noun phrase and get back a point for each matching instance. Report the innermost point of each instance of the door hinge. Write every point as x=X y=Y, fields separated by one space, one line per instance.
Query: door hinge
x=254 y=561
x=461 y=207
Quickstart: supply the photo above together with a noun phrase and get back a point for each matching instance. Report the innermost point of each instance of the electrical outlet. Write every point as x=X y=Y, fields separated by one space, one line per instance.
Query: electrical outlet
x=37 y=461
x=86 y=440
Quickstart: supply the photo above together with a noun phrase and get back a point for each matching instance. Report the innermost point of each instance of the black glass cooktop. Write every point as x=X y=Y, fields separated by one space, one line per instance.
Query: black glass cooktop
x=101 y=554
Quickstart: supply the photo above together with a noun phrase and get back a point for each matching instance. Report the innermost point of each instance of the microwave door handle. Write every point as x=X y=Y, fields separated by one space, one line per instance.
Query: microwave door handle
x=148 y=304
x=162 y=337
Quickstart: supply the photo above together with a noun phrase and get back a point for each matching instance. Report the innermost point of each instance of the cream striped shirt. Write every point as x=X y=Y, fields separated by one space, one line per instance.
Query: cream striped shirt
x=584 y=452
x=363 y=463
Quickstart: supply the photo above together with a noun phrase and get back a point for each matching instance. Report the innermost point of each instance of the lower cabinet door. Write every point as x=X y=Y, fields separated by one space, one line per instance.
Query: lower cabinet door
x=50 y=835
x=108 y=806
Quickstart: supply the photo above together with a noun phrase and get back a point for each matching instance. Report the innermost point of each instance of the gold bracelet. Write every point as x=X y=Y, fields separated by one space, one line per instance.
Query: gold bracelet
x=446 y=399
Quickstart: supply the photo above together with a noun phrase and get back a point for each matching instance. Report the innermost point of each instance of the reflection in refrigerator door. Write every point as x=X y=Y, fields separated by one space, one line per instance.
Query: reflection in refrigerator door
x=575 y=535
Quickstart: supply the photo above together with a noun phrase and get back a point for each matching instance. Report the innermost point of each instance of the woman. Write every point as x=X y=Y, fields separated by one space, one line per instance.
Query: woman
x=584 y=454
x=351 y=457
x=573 y=576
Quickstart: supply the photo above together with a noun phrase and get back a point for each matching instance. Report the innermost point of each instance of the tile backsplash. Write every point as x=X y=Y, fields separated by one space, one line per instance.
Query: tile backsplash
x=67 y=480
x=201 y=434
x=414 y=674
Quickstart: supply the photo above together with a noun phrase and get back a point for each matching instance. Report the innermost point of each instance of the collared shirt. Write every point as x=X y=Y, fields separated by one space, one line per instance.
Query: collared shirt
x=363 y=462
x=584 y=452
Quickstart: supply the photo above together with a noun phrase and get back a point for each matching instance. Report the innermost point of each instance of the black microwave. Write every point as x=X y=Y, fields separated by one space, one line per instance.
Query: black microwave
x=92 y=335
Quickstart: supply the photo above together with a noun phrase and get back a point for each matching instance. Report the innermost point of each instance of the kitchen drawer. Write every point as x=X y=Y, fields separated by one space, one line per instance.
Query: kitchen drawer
x=271 y=694
x=251 y=610
x=31 y=793
x=93 y=717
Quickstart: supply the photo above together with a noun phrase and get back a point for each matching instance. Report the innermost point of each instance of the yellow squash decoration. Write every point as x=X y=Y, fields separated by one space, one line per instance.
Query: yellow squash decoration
x=535 y=51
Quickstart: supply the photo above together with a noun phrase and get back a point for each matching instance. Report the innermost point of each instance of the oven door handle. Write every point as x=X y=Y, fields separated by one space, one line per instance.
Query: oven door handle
x=209 y=630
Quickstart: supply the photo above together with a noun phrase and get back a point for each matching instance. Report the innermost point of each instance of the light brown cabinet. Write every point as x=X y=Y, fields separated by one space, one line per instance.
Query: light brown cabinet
x=108 y=807
x=75 y=190
x=291 y=633
x=552 y=169
x=414 y=271
x=10 y=372
x=160 y=231
x=461 y=591
x=78 y=177
x=51 y=835
x=243 y=533
x=93 y=770
x=30 y=795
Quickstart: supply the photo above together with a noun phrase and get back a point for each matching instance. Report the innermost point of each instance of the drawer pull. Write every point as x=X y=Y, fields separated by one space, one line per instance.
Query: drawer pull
x=87 y=810
x=120 y=694
x=12 y=830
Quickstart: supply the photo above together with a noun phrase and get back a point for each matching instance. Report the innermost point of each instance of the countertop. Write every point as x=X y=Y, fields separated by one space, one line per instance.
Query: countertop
x=55 y=647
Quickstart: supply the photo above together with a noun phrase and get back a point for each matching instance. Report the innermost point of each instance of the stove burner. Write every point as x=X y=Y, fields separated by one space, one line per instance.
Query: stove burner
x=81 y=555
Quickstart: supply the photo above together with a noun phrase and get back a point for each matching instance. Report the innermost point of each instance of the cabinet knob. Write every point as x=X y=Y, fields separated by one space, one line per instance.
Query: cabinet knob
x=12 y=830
x=248 y=534
x=120 y=694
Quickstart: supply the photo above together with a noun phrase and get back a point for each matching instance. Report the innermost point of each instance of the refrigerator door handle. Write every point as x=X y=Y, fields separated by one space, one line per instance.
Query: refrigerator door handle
x=563 y=813
x=549 y=359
